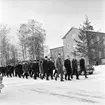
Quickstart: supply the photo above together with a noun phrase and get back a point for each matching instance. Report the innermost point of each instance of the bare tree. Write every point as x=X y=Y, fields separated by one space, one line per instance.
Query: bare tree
x=31 y=36
x=36 y=39
x=22 y=34
x=4 y=44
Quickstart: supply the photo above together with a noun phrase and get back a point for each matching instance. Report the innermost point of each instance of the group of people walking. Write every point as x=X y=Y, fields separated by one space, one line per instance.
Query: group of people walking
x=46 y=68
x=71 y=68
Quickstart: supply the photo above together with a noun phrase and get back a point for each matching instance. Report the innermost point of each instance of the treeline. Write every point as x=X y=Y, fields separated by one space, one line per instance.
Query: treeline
x=31 y=37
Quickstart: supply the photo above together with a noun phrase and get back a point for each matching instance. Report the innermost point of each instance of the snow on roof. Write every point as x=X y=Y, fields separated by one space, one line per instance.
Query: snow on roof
x=69 y=31
x=56 y=47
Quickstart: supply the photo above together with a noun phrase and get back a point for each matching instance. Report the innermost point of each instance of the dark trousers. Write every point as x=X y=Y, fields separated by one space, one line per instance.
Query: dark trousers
x=9 y=74
x=51 y=73
x=75 y=71
x=38 y=73
x=68 y=73
x=25 y=75
x=84 y=70
x=31 y=73
x=3 y=73
x=12 y=73
x=46 y=74
x=18 y=73
x=35 y=74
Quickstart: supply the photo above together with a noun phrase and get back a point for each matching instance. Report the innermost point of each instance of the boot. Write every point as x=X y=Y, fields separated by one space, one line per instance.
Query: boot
x=86 y=77
x=69 y=79
x=62 y=80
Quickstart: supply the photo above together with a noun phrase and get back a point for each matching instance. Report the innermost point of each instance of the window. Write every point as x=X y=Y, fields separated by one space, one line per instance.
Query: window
x=74 y=36
x=100 y=55
x=93 y=53
x=67 y=46
x=104 y=52
x=92 y=42
x=93 y=50
x=98 y=39
x=104 y=40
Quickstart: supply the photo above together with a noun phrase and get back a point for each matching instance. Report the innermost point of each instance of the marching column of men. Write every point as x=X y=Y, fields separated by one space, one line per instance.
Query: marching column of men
x=46 y=68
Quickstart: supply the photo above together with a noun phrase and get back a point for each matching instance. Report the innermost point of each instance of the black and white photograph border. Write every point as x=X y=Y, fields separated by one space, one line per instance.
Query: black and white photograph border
x=52 y=52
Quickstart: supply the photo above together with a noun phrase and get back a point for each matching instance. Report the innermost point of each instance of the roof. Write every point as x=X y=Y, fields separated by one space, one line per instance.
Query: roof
x=78 y=29
x=96 y=32
x=56 y=48
x=69 y=31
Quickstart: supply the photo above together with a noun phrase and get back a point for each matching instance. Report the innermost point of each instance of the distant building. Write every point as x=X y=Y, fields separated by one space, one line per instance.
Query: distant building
x=99 y=48
x=55 y=51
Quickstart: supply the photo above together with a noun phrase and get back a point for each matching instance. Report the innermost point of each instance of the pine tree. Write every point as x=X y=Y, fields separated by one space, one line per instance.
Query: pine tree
x=82 y=45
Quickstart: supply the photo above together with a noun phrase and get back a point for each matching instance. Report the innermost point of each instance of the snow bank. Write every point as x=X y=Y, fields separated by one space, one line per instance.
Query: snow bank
x=99 y=70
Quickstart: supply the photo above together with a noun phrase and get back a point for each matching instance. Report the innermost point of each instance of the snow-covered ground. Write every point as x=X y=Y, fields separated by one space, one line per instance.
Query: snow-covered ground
x=89 y=91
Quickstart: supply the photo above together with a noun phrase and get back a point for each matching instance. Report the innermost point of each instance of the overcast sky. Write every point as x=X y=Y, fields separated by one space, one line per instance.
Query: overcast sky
x=57 y=16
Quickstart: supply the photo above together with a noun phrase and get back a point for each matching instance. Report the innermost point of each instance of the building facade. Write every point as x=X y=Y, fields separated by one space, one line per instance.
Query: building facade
x=96 y=45
x=55 y=51
x=69 y=42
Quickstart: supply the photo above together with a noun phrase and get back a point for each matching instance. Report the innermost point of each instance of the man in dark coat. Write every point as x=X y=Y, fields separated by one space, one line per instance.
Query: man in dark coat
x=51 y=67
x=45 y=67
x=82 y=66
x=30 y=68
x=67 y=64
x=35 y=69
x=75 y=68
x=18 y=70
x=11 y=68
x=3 y=70
x=8 y=67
